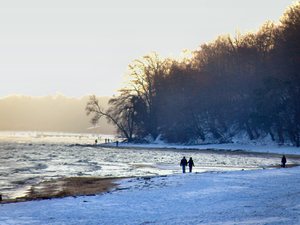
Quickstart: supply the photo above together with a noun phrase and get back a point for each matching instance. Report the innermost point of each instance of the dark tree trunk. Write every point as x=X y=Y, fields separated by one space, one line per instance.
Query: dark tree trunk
x=280 y=134
x=249 y=131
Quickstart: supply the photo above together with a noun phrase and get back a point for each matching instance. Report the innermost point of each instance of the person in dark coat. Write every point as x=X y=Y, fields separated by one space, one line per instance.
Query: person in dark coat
x=283 y=161
x=191 y=164
x=183 y=164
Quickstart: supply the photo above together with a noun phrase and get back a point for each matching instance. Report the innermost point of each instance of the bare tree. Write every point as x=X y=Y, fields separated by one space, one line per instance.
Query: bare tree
x=120 y=114
x=143 y=74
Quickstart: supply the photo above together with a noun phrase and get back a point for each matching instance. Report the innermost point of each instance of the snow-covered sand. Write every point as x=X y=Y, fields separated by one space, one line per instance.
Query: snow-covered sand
x=241 y=197
x=263 y=196
x=246 y=147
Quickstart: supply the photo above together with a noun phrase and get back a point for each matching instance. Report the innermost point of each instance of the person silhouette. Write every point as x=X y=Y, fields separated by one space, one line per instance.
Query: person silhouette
x=191 y=164
x=183 y=164
x=283 y=161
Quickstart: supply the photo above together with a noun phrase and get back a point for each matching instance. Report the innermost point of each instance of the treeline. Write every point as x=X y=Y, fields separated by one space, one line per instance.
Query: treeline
x=246 y=84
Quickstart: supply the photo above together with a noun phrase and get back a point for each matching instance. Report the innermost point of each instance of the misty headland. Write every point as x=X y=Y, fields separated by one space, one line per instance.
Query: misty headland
x=55 y=113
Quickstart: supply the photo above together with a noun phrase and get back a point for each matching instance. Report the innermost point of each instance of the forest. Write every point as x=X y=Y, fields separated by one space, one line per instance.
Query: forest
x=248 y=84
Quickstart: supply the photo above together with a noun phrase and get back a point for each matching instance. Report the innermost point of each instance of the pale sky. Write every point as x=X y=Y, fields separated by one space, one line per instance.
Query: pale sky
x=83 y=47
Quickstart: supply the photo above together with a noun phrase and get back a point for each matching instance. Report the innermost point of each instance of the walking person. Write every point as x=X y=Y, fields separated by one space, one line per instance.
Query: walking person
x=283 y=161
x=183 y=164
x=191 y=164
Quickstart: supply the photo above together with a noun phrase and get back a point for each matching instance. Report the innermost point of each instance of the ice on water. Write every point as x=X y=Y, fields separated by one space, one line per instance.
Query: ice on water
x=27 y=158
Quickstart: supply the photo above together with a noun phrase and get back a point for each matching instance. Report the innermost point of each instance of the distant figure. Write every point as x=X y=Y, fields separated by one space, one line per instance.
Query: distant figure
x=0 y=198
x=183 y=163
x=117 y=143
x=96 y=141
x=191 y=164
x=283 y=161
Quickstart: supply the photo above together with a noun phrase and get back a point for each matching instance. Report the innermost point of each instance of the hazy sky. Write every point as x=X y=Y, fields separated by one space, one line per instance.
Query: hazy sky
x=82 y=47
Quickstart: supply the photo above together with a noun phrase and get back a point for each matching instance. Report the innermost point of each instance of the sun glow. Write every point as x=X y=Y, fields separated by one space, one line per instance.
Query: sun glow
x=51 y=47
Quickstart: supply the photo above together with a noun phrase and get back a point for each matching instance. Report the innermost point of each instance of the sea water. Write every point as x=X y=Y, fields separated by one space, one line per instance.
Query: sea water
x=27 y=158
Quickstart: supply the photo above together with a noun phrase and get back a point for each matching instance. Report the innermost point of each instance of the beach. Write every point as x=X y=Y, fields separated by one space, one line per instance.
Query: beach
x=62 y=183
x=27 y=162
x=269 y=196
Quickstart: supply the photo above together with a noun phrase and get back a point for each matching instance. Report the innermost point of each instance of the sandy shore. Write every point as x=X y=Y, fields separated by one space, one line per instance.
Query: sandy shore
x=64 y=187
x=75 y=186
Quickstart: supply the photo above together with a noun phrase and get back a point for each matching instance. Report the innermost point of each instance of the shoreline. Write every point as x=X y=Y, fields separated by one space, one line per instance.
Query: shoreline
x=84 y=186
